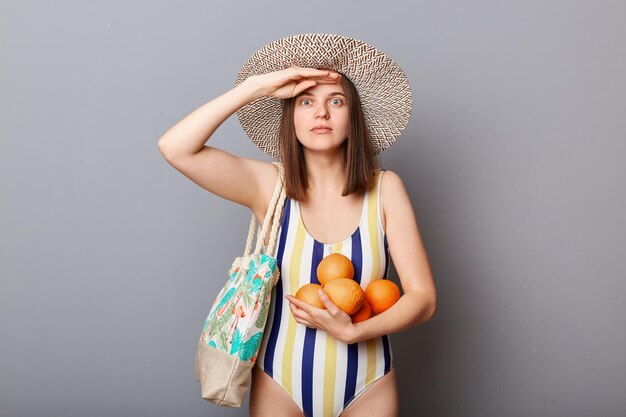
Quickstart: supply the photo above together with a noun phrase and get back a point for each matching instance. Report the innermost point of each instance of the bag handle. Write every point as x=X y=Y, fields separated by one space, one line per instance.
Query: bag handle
x=276 y=209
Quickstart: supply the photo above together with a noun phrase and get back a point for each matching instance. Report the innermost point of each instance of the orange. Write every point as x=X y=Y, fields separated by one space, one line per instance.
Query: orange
x=346 y=293
x=381 y=294
x=308 y=294
x=334 y=266
x=364 y=313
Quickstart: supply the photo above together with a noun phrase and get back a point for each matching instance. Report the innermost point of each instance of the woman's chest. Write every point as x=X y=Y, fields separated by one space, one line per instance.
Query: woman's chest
x=332 y=221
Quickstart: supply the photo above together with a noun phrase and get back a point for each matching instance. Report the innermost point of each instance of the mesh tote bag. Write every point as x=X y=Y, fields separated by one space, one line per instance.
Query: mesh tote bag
x=231 y=334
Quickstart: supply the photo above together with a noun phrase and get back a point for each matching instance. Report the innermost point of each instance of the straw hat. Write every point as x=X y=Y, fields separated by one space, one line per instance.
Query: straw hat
x=382 y=85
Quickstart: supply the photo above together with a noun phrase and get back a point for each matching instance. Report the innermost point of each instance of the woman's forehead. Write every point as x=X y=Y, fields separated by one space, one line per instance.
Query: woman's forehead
x=324 y=90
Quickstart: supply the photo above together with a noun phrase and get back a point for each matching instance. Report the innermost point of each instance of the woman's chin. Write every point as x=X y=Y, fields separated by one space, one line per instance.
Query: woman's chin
x=322 y=147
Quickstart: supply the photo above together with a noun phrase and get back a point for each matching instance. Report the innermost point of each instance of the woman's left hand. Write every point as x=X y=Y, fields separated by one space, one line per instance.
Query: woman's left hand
x=332 y=320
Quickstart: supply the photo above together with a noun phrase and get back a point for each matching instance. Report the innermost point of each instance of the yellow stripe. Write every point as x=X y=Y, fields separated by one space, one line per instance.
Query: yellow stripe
x=294 y=284
x=372 y=222
x=330 y=368
x=371 y=361
x=337 y=247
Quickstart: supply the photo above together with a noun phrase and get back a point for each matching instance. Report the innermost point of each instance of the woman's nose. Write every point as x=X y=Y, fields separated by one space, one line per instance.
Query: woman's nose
x=321 y=111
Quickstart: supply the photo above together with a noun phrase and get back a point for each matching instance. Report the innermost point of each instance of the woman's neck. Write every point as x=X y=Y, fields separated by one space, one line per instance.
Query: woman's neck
x=326 y=174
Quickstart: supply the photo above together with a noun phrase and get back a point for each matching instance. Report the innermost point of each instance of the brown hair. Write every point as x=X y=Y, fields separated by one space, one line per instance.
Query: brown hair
x=360 y=158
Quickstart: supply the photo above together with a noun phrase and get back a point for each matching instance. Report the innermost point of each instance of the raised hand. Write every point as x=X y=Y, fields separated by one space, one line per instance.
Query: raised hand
x=291 y=81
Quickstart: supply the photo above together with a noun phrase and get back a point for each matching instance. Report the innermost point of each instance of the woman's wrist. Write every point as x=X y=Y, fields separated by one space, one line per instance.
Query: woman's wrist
x=253 y=88
x=354 y=334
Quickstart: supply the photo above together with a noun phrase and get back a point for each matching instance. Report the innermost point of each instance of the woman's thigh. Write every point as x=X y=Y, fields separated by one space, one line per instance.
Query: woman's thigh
x=269 y=399
x=380 y=399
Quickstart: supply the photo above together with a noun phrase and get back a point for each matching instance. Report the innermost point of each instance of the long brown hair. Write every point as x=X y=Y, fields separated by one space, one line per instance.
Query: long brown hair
x=360 y=158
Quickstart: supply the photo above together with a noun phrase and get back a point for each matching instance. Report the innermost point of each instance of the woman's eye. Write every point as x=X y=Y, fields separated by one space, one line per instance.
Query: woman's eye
x=336 y=102
x=305 y=101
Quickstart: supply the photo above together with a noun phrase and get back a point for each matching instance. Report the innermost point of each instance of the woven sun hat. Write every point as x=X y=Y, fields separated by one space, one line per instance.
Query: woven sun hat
x=383 y=87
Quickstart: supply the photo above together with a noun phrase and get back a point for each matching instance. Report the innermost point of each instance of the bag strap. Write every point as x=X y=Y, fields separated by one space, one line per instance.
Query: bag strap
x=275 y=209
x=278 y=212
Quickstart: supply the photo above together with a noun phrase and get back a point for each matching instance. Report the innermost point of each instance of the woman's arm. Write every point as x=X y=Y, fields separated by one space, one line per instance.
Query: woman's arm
x=419 y=301
x=231 y=177
x=189 y=135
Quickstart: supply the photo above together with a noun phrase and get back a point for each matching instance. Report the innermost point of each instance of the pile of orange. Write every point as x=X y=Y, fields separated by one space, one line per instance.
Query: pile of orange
x=336 y=276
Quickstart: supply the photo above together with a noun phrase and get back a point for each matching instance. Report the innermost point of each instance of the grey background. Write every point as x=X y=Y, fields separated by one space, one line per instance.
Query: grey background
x=513 y=158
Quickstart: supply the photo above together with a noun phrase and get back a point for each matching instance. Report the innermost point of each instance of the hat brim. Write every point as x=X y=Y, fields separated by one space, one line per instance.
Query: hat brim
x=383 y=87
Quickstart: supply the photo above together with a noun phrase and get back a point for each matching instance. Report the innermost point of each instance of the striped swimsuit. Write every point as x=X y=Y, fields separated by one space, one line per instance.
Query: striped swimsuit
x=322 y=374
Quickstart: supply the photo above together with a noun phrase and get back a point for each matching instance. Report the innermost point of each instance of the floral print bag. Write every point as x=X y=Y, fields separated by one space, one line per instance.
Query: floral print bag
x=231 y=334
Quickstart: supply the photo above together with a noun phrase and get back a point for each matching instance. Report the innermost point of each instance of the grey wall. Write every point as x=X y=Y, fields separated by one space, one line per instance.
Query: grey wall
x=514 y=160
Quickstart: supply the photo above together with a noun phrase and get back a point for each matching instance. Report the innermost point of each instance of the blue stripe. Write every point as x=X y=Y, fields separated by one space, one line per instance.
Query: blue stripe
x=318 y=255
x=357 y=255
x=353 y=349
x=385 y=338
x=353 y=367
x=386 y=258
x=308 y=351
x=307 y=371
x=387 y=353
x=268 y=360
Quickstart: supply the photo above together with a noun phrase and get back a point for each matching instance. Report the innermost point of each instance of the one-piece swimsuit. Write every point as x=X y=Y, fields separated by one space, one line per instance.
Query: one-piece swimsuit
x=321 y=374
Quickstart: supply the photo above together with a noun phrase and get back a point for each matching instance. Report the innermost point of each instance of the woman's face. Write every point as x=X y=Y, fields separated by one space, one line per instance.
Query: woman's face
x=322 y=117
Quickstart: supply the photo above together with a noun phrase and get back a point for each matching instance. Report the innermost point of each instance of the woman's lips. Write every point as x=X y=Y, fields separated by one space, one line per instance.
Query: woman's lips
x=321 y=130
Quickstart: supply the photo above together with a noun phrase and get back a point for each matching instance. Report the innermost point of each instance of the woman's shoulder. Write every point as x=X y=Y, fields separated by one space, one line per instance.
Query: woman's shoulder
x=390 y=179
x=393 y=194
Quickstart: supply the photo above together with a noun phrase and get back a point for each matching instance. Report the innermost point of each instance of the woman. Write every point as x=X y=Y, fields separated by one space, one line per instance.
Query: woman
x=314 y=361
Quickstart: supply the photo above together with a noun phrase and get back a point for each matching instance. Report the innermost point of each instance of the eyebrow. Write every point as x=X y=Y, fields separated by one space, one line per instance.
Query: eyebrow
x=336 y=93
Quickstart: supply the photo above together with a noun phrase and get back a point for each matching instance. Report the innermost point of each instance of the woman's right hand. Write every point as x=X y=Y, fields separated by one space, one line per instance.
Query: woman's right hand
x=291 y=81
